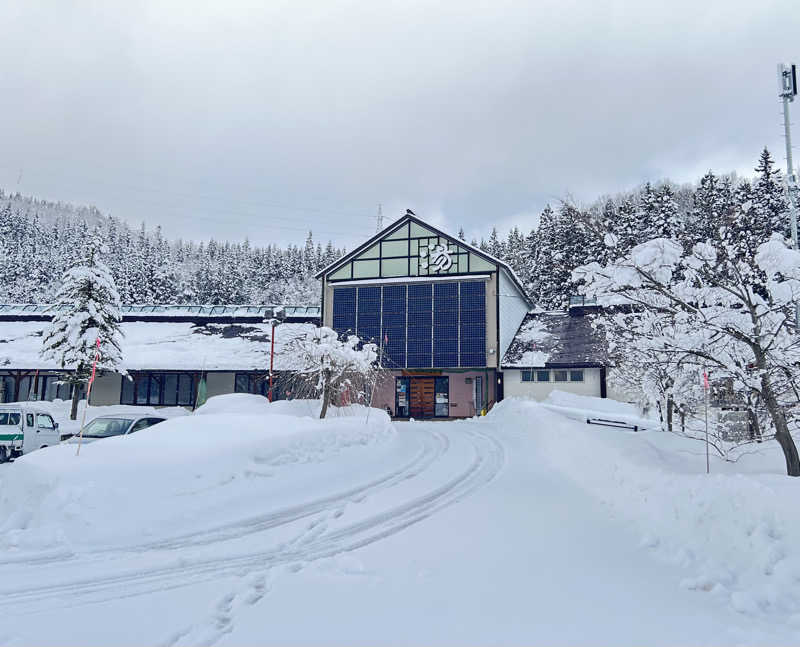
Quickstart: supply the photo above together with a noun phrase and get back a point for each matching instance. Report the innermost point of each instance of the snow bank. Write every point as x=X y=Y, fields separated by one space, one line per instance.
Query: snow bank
x=581 y=407
x=237 y=402
x=173 y=477
x=736 y=530
x=60 y=409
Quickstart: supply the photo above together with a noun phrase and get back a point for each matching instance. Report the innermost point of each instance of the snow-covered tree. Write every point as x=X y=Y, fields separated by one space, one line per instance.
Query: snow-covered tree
x=709 y=310
x=88 y=311
x=335 y=365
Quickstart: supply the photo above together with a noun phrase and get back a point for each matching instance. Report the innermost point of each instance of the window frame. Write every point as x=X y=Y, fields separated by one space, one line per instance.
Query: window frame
x=52 y=426
x=576 y=371
x=561 y=372
x=144 y=381
x=543 y=371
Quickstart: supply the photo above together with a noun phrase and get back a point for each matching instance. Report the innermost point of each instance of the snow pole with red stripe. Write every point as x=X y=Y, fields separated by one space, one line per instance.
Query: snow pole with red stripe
x=88 y=393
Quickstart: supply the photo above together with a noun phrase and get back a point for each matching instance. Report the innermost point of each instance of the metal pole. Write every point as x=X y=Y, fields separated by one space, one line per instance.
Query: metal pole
x=787 y=95
x=708 y=464
x=271 y=357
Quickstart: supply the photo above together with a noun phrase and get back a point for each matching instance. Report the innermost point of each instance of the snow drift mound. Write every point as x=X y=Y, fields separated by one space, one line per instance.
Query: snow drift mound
x=233 y=403
x=182 y=474
x=735 y=530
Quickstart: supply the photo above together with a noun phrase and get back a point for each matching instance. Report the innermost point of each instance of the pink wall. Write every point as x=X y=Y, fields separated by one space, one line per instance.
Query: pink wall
x=461 y=393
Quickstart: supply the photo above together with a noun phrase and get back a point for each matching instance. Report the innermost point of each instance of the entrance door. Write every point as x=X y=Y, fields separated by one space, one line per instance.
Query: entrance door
x=401 y=395
x=422 y=397
x=442 y=397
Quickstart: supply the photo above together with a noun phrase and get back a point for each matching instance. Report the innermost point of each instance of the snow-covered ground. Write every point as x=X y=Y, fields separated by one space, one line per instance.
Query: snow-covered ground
x=255 y=523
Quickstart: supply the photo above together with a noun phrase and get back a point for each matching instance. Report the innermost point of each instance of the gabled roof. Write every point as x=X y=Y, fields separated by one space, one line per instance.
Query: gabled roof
x=548 y=339
x=409 y=217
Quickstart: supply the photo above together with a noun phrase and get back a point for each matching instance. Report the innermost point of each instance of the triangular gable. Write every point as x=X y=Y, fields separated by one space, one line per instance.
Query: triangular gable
x=409 y=248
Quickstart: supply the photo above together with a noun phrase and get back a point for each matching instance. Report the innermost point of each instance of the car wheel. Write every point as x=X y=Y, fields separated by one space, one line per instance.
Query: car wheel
x=3 y=454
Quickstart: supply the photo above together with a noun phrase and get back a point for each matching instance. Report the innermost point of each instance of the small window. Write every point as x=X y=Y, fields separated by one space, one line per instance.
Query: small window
x=186 y=389
x=242 y=383
x=43 y=421
x=127 y=391
x=170 y=398
x=527 y=375
x=542 y=376
x=13 y=419
x=559 y=376
x=576 y=376
x=29 y=419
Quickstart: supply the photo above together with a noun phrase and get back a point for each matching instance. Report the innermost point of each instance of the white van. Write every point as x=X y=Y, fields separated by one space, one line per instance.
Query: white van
x=24 y=428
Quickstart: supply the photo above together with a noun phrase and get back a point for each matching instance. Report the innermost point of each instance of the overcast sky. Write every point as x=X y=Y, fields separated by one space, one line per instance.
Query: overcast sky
x=265 y=119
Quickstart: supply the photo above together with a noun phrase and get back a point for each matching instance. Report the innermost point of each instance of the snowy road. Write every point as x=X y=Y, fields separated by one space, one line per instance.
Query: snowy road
x=451 y=533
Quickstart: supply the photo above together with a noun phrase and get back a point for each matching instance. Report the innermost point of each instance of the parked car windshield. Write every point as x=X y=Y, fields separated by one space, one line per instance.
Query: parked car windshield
x=105 y=427
x=9 y=418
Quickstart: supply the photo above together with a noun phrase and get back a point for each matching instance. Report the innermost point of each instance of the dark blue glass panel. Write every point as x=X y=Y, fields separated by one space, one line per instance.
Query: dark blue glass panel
x=368 y=323
x=419 y=346
x=446 y=345
x=419 y=306
x=420 y=331
x=473 y=287
x=419 y=361
x=419 y=291
x=445 y=296
x=394 y=359
x=473 y=317
x=473 y=345
x=344 y=310
x=473 y=359
x=445 y=335
x=391 y=319
x=445 y=318
x=445 y=360
x=472 y=325
x=394 y=298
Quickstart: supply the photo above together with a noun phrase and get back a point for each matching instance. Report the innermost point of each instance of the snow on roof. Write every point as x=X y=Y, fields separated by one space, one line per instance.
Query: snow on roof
x=552 y=339
x=168 y=346
x=159 y=310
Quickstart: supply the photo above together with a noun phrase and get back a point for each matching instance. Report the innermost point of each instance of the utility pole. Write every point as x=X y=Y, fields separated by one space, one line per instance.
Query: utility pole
x=787 y=91
x=379 y=219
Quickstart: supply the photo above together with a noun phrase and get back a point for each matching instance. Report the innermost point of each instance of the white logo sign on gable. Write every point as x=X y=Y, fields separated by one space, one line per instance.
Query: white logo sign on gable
x=435 y=256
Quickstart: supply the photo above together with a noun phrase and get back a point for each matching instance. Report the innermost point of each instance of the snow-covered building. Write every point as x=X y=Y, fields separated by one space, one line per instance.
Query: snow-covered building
x=556 y=350
x=165 y=349
x=442 y=312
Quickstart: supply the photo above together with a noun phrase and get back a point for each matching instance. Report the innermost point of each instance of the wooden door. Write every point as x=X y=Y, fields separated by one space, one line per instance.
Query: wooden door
x=422 y=397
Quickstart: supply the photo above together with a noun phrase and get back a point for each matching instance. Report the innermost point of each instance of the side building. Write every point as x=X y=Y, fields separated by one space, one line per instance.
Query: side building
x=557 y=351
x=166 y=350
x=442 y=312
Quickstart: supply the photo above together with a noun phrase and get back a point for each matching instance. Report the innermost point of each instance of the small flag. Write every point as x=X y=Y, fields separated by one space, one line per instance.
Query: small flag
x=705 y=380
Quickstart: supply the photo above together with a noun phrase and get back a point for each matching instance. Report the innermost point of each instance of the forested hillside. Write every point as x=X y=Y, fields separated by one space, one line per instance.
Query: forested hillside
x=569 y=236
x=40 y=240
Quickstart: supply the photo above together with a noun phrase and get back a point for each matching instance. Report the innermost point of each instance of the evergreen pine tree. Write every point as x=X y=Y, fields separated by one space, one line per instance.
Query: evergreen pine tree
x=90 y=311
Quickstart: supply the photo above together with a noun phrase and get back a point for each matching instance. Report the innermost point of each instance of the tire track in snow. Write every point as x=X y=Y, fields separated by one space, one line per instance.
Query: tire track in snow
x=435 y=444
x=488 y=459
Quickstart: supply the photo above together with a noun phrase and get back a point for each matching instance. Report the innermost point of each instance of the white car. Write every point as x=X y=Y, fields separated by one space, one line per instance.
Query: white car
x=24 y=428
x=115 y=425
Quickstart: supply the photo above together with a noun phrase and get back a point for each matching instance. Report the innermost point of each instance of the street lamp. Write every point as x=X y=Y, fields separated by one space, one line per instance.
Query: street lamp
x=277 y=315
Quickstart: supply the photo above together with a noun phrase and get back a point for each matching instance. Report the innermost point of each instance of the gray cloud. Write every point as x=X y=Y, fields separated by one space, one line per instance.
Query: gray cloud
x=266 y=119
